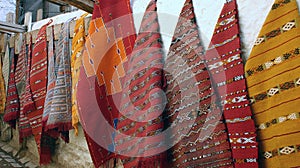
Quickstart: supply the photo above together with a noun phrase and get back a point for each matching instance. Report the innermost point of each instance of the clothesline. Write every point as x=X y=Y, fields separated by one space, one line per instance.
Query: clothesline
x=16 y=40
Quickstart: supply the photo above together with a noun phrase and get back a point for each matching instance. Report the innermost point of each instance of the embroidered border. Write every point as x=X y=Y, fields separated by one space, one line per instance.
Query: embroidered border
x=285 y=28
x=275 y=90
x=292 y=116
x=278 y=60
x=287 y=150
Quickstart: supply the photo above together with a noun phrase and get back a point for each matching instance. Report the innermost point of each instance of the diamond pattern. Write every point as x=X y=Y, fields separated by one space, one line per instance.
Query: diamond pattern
x=248 y=140
x=268 y=64
x=298 y=82
x=259 y=40
x=288 y=26
x=268 y=155
x=252 y=100
x=262 y=126
x=239 y=99
x=278 y=60
x=216 y=65
x=273 y=91
x=292 y=116
x=251 y=160
x=282 y=119
x=287 y=150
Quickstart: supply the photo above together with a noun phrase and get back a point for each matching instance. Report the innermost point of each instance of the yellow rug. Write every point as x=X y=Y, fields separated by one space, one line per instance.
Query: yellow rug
x=273 y=79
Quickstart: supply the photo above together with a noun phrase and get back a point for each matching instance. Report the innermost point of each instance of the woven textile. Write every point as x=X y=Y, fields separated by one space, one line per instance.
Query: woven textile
x=24 y=125
x=28 y=104
x=51 y=76
x=273 y=80
x=198 y=131
x=20 y=68
x=226 y=68
x=57 y=116
x=77 y=48
x=38 y=84
x=141 y=104
x=12 y=107
x=5 y=68
x=2 y=89
x=110 y=41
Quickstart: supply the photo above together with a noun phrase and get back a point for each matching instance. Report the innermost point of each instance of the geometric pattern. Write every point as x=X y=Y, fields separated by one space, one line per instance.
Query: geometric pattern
x=141 y=89
x=280 y=4
x=272 y=74
x=275 y=90
x=242 y=140
x=195 y=149
x=224 y=55
x=249 y=160
x=281 y=119
x=285 y=28
x=286 y=150
x=238 y=99
x=239 y=119
x=271 y=63
x=229 y=81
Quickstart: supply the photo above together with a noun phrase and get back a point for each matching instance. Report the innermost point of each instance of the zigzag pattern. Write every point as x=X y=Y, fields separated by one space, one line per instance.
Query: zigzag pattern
x=185 y=70
x=181 y=54
x=183 y=36
x=186 y=43
x=201 y=129
x=187 y=77
x=189 y=105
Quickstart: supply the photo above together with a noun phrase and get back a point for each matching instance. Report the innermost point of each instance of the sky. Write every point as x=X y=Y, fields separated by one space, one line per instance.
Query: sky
x=6 y=6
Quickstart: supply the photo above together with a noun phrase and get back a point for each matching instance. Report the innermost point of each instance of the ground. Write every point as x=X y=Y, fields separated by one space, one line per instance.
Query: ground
x=10 y=159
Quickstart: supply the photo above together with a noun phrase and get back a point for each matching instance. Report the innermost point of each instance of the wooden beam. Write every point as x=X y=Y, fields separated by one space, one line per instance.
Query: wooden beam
x=11 y=28
x=86 y=5
x=57 y=29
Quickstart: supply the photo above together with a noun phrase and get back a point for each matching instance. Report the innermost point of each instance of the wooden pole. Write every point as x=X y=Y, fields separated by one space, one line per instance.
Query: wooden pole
x=28 y=20
x=39 y=15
